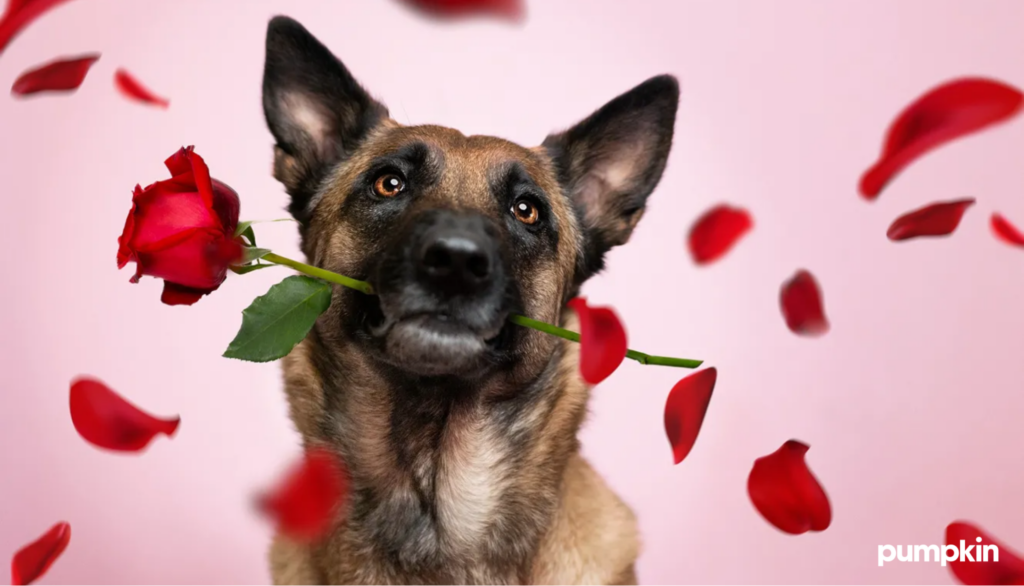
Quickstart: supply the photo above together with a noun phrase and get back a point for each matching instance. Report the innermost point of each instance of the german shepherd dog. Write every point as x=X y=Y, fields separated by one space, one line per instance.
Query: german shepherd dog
x=458 y=428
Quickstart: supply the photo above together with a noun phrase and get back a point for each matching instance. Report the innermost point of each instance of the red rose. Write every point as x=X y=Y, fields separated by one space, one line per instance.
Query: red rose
x=182 y=230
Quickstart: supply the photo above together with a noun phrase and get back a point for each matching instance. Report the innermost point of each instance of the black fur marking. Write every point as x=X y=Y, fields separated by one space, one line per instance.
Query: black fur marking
x=633 y=131
x=317 y=112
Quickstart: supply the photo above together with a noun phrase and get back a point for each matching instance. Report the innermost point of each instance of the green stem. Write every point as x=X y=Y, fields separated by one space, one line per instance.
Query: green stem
x=320 y=273
x=520 y=320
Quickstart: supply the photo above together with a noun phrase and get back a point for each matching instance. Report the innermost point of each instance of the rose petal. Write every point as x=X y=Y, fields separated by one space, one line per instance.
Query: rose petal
x=106 y=420
x=937 y=219
x=786 y=493
x=802 y=306
x=950 y=111
x=131 y=88
x=166 y=216
x=227 y=205
x=717 y=231
x=1006 y=231
x=60 y=75
x=19 y=14
x=33 y=560
x=190 y=261
x=510 y=9
x=175 y=294
x=305 y=503
x=602 y=340
x=1008 y=570
x=685 y=408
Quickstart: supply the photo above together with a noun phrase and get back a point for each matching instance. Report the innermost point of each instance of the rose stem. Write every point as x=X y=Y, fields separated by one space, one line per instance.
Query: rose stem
x=520 y=320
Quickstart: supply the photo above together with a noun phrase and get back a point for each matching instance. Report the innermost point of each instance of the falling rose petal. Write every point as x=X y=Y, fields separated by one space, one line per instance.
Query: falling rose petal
x=785 y=492
x=802 y=306
x=104 y=419
x=509 y=9
x=131 y=88
x=602 y=340
x=717 y=231
x=1008 y=570
x=685 y=408
x=304 y=504
x=950 y=111
x=937 y=219
x=1006 y=231
x=60 y=75
x=33 y=560
x=19 y=14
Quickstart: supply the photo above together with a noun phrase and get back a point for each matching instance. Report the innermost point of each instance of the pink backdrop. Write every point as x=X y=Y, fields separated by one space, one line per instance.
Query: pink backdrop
x=912 y=404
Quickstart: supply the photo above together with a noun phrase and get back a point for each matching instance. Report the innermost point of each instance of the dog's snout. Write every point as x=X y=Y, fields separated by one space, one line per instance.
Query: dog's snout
x=457 y=255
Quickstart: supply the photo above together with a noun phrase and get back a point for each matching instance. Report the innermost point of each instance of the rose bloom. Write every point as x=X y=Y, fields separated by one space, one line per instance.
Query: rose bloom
x=182 y=230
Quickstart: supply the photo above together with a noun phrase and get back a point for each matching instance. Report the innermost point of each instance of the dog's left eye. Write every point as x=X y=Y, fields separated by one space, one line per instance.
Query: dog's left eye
x=525 y=211
x=388 y=185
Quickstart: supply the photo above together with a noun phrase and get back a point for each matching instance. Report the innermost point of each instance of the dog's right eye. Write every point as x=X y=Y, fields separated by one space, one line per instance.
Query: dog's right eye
x=388 y=185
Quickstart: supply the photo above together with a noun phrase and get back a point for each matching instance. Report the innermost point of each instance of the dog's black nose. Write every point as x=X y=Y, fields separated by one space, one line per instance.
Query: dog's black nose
x=457 y=256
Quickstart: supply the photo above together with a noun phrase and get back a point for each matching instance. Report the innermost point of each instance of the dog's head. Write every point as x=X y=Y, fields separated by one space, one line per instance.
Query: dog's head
x=455 y=233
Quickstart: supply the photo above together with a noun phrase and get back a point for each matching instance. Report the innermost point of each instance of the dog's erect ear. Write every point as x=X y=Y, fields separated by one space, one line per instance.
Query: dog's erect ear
x=611 y=162
x=316 y=110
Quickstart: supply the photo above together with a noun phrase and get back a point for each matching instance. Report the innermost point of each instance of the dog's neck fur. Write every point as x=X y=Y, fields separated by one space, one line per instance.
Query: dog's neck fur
x=449 y=483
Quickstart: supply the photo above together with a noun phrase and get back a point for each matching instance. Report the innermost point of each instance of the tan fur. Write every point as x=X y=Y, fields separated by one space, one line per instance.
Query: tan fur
x=588 y=535
x=579 y=532
x=462 y=454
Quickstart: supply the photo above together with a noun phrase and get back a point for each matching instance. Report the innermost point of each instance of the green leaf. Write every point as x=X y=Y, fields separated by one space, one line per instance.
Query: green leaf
x=280 y=319
x=250 y=268
x=251 y=254
x=244 y=230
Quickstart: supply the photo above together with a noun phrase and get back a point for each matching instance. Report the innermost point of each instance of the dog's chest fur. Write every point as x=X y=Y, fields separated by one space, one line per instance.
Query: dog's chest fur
x=455 y=486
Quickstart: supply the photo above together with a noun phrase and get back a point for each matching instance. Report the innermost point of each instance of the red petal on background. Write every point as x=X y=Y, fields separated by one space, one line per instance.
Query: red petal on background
x=602 y=340
x=937 y=219
x=19 y=14
x=785 y=492
x=33 y=560
x=104 y=419
x=510 y=9
x=131 y=88
x=59 y=75
x=1006 y=231
x=305 y=502
x=715 y=233
x=1008 y=570
x=947 y=112
x=685 y=408
x=802 y=307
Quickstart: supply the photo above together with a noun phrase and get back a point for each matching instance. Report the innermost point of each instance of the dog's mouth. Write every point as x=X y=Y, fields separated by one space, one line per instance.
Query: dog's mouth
x=434 y=341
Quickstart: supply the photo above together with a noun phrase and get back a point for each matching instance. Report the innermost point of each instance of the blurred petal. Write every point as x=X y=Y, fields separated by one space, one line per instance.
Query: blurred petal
x=131 y=88
x=785 y=492
x=950 y=111
x=510 y=9
x=1006 y=231
x=60 y=75
x=717 y=231
x=937 y=219
x=33 y=560
x=305 y=503
x=800 y=299
x=685 y=409
x=602 y=340
x=1008 y=570
x=19 y=14
x=106 y=420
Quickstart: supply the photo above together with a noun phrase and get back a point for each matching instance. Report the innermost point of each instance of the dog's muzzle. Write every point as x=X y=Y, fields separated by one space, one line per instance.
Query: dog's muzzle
x=443 y=293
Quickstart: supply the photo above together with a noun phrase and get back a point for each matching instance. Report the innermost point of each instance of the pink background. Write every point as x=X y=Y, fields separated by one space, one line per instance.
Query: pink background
x=912 y=404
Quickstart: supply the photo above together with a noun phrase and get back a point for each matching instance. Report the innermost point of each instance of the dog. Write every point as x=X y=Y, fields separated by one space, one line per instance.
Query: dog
x=458 y=428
